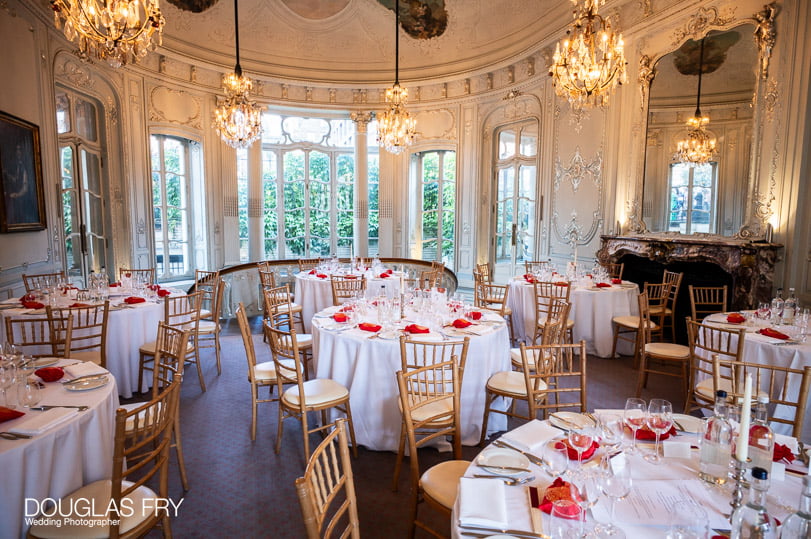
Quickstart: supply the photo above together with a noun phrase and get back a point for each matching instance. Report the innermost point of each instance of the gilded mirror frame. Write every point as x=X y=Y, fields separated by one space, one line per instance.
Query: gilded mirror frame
x=758 y=204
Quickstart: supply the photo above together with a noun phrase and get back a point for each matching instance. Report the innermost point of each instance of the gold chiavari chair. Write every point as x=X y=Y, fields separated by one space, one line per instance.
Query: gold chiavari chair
x=662 y=358
x=429 y=395
x=146 y=275
x=413 y=355
x=89 y=332
x=347 y=287
x=306 y=264
x=786 y=387
x=278 y=306
x=33 y=336
x=493 y=297
x=484 y=272
x=304 y=396
x=707 y=300
x=326 y=492
x=666 y=311
x=208 y=330
x=140 y=459
x=705 y=341
x=532 y=266
x=546 y=292
x=207 y=282
x=629 y=324
x=552 y=331
x=615 y=271
x=42 y=280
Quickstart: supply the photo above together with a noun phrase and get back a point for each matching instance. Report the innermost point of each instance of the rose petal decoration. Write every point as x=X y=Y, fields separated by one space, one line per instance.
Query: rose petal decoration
x=415 y=328
x=50 y=374
x=558 y=490
x=461 y=323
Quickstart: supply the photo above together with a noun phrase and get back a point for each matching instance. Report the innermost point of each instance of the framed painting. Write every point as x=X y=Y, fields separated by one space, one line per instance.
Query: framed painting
x=22 y=202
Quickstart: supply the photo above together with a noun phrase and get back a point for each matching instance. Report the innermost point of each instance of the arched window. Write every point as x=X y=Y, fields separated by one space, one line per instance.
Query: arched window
x=435 y=182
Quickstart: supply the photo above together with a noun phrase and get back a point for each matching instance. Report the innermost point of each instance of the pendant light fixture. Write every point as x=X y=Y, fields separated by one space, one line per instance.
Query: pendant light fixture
x=238 y=119
x=396 y=129
x=698 y=147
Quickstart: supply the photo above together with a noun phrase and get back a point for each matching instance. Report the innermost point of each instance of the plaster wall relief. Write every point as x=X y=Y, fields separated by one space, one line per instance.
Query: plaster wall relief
x=577 y=195
x=436 y=124
x=174 y=106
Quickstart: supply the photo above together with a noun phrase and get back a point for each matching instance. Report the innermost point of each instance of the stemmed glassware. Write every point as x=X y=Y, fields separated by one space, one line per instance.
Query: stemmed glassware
x=566 y=519
x=611 y=427
x=8 y=375
x=659 y=421
x=615 y=484
x=580 y=440
x=634 y=417
x=764 y=311
x=555 y=458
x=586 y=490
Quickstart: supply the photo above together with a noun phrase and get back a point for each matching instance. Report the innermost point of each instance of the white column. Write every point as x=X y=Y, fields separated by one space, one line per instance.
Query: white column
x=255 y=239
x=361 y=203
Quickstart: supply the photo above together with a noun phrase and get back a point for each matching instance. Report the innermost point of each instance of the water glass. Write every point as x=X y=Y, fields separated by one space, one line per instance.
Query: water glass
x=615 y=483
x=565 y=520
x=659 y=421
x=688 y=520
x=611 y=431
x=634 y=417
x=764 y=310
x=555 y=458
x=28 y=393
x=8 y=375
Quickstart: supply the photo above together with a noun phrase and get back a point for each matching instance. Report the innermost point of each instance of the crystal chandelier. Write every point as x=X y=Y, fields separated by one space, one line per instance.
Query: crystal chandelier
x=590 y=62
x=698 y=147
x=118 y=31
x=238 y=119
x=396 y=129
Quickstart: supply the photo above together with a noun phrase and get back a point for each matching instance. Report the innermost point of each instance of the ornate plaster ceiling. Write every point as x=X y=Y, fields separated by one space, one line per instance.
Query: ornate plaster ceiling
x=352 y=41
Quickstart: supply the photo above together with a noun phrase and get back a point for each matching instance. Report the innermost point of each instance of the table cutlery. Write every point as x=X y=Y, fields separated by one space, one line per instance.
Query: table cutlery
x=471 y=530
x=12 y=436
x=565 y=421
x=505 y=468
x=509 y=481
x=532 y=458
x=50 y=407
x=84 y=378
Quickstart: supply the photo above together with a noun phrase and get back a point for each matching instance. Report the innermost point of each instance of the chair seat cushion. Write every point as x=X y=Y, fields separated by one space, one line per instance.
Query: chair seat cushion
x=441 y=409
x=266 y=372
x=705 y=388
x=515 y=357
x=97 y=494
x=659 y=309
x=205 y=313
x=666 y=349
x=510 y=382
x=149 y=348
x=207 y=326
x=316 y=393
x=284 y=308
x=441 y=482
x=631 y=321
x=90 y=355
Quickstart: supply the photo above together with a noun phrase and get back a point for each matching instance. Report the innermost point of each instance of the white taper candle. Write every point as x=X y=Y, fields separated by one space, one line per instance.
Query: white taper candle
x=742 y=449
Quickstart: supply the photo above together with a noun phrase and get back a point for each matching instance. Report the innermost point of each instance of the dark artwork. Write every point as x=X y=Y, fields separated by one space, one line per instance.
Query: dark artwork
x=686 y=58
x=195 y=6
x=22 y=206
x=421 y=20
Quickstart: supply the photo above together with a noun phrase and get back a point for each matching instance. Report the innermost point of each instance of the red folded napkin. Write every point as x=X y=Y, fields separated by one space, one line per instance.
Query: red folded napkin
x=368 y=326
x=33 y=305
x=528 y=278
x=414 y=328
x=28 y=297
x=50 y=374
x=347 y=308
x=561 y=283
x=773 y=333
x=322 y=275
x=461 y=323
x=78 y=305
x=616 y=281
x=115 y=284
x=603 y=285
x=340 y=317
x=133 y=299
x=312 y=272
x=163 y=293
x=646 y=434
x=782 y=452
x=389 y=271
x=154 y=287
x=384 y=275
x=572 y=452
x=350 y=276
x=558 y=490
x=476 y=315
x=736 y=318
x=7 y=414
x=128 y=275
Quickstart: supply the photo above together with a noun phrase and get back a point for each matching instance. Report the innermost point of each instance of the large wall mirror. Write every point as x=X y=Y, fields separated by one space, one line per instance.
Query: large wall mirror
x=716 y=196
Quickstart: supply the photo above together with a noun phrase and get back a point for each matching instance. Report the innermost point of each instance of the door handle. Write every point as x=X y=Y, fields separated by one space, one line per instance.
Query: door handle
x=515 y=230
x=82 y=235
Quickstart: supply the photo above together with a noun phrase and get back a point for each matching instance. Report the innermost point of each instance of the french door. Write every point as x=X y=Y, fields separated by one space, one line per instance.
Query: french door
x=515 y=186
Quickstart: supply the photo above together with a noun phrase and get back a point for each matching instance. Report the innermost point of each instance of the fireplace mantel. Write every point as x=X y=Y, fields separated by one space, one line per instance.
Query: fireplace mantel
x=750 y=264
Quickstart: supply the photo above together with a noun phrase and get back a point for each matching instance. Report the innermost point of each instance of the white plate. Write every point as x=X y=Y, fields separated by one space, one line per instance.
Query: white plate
x=565 y=419
x=690 y=423
x=44 y=362
x=85 y=385
x=491 y=458
x=391 y=335
x=628 y=285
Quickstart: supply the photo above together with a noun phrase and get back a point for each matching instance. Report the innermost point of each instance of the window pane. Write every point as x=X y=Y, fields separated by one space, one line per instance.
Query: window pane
x=430 y=196
x=272 y=128
x=242 y=203
x=430 y=167
x=319 y=166
x=506 y=144
x=313 y=130
x=449 y=167
x=429 y=225
x=62 y=112
x=174 y=156
x=294 y=232
x=67 y=167
x=529 y=140
x=85 y=119
x=90 y=166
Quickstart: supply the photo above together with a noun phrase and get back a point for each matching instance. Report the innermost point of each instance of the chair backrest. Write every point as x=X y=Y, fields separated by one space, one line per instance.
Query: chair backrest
x=89 y=331
x=215 y=305
x=415 y=353
x=562 y=364
x=183 y=311
x=170 y=355
x=267 y=277
x=33 y=336
x=546 y=292
x=429 y=396
x=247 y=340
x=42 y=280
x=326 y=492
x=346 y=287
x=483 y=271
x=141 y=452
x=658 y=299
x=208 y=282
x=786 y=387
x=532 y=266
x=553 y=329
x=705 y=341
x=278 y=307
x=306 y=264
x=614 y=270
x=493 y=296
x=430 y=278
x=146 y=275
x=706 y=300
x=645 y=324
x=675 y=281
x=287 y=359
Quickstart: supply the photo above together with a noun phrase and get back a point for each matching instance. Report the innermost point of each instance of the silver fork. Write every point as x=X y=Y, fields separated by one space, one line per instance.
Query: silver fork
x=510 y=481
x=50 y=407
x=12 y=436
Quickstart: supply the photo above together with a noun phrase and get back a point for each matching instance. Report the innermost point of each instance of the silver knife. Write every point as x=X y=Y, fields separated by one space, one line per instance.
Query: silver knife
x=532 y=458
x=517 y=533
x=84 y=378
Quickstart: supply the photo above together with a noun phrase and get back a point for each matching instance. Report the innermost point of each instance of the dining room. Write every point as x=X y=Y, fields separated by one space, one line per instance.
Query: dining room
x=402 y=224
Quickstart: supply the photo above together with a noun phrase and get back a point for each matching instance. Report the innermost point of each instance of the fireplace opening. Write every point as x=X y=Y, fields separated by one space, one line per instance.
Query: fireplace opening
x=641 y=270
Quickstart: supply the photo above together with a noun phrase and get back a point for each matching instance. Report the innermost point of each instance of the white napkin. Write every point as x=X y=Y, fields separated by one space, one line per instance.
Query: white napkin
x=788 y=441
x=482 y=502
x=44 y=421
x=531 y=436
x=85 y=368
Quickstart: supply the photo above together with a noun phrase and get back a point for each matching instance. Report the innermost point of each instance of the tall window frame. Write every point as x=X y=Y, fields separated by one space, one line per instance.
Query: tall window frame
x=435 y=175
x=688 y=188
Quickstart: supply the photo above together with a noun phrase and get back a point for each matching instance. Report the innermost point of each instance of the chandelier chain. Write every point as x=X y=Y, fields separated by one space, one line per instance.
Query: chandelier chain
x=699 y=146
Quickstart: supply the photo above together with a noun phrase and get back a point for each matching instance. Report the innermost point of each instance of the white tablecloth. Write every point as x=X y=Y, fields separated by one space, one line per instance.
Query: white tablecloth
x=367 y=368
x=62 y=459
x=591 y=311
x=127 y=329
x=314 y=294
x=782 y=498
x=765 y=351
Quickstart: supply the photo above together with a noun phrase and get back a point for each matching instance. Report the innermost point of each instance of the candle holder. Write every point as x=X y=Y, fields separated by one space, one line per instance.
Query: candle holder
x=402 y=305
x=738 y=474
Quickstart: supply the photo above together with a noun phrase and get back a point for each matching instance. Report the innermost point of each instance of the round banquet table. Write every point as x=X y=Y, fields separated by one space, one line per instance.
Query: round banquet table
x=367 y=368
x=591 y=310
x=128 y=327
x=644 y=513
x=764 y=350
x=75 y=452
x=314 y=293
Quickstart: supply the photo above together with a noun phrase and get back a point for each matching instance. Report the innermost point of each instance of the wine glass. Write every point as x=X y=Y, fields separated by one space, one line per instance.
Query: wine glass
x=580 y=440
x=659 y=421
x=764 y=310
x=28 y=394
x=8 y=374
x=616 y=484
x=565 y=520
x=585 y=487
x=611 y=431
x=688 y=520
x=634 y=417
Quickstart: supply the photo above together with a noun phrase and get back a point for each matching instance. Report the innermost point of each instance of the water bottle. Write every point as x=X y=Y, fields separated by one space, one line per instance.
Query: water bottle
x=798 y=524
x=750 y=521
x=716 y=444
x=761 y=436
x=790 y=308
x=777 y=307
